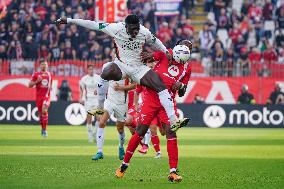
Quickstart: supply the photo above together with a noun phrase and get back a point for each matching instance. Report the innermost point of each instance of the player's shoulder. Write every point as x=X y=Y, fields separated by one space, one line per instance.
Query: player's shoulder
x=145 y=31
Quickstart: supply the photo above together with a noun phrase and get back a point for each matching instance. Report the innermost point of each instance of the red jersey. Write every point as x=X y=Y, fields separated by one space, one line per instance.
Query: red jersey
x=42 y=88
x=170 y=74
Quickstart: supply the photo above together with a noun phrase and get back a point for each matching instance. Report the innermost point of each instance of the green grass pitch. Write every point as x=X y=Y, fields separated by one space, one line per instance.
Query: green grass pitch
x=209 y=158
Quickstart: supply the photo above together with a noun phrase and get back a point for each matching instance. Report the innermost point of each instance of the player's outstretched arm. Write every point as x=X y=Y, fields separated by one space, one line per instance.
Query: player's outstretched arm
x=92 y=25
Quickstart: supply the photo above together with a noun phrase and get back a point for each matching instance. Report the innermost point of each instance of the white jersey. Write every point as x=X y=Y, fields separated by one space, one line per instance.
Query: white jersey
x=89 y=84
x=117 y=97
x=128 y=49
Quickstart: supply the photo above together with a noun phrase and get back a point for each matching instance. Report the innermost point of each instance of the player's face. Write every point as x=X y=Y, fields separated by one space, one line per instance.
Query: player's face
x=91 y=70
x=43 y=66
x=133 y=29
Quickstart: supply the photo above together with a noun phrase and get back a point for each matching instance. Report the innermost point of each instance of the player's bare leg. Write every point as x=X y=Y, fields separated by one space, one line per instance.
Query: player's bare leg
x=172 y=149
x=109 y=72
x=100 y=136
x=132 y=145
x=121 y=139
x=90 y=127
x=44 y=120
x=153 y=81
x=155 y=140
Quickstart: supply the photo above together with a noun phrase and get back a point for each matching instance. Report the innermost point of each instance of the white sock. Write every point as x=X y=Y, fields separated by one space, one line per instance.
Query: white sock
x=100 y=139
x=121 y=138
x=90 y=131
x=147 y=137
x=95 y=128
x=167 y=102
x=102 y=88
x=173 y=169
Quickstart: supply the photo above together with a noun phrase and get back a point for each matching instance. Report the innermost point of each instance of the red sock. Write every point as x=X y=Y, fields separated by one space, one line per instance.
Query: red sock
x=156 y=142
x=44 y=121
x=132 y=145
x=172 y=149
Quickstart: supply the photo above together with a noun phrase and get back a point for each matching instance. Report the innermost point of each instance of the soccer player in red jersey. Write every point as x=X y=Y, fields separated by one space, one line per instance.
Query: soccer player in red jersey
x=42 y=80
x=174 y=74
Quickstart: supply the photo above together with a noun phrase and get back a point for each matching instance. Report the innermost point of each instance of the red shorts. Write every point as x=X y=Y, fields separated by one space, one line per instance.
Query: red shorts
x=152 y=109
x=42 y=101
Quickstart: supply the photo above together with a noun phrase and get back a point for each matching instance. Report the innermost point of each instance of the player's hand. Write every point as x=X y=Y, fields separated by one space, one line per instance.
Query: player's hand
x=177 y=86
x=81 y=101
x=95 y=92
x=169 y=57
x=146 y=56
x=62 y=20
x=117 y=87
x=38 y=79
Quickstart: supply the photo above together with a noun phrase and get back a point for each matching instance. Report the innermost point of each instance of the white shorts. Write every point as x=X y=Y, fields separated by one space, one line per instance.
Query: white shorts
x=118 y=110
x=134 y=72
x=91 y=103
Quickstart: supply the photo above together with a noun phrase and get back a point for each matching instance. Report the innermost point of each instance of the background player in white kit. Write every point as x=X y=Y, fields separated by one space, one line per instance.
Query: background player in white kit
x=130 y=37
x=88 y=97
x=116 y=103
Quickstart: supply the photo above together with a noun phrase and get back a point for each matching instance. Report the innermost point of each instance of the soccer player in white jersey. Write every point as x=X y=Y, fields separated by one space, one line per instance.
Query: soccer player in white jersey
x=116 y=103
x=130 y=37
x=88 y=97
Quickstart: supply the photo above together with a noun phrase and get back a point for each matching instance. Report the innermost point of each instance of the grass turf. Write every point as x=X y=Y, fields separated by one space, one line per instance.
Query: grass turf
x=209 y=158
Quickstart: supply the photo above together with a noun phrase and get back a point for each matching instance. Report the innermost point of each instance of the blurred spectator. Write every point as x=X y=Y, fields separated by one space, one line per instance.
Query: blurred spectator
x=243 y=62
x=206 y=40
x=165 y=33
x=276 y=96
x=254 y=56
x=279 y=38
x=270 y=55
x=222 y=20
x=230 y=62
x=245 y=97
x=280 y=17
x=3 y=54
x=64 y=91
x=218 y=60
x=267 y=10
x=30 y=48
x=198 y=99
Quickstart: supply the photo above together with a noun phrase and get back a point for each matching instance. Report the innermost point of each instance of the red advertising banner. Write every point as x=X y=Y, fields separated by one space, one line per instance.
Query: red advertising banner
x=213 y=90
x=110 y=10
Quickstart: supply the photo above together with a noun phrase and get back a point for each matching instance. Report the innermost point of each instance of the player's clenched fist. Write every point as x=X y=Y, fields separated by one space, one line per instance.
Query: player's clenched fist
x=61 y=21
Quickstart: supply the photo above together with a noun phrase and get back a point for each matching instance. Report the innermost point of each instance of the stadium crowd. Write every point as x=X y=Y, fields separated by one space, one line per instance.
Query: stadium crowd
x=229 y=44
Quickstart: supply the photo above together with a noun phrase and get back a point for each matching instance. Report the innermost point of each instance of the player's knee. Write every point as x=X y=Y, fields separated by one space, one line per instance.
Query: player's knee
x=111 y=72
x=102 y=125
x=141 y=130
x=170 y=134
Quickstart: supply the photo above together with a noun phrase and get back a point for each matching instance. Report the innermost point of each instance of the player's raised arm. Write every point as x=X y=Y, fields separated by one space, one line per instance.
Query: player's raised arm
x=35 y=80
x=89 y=24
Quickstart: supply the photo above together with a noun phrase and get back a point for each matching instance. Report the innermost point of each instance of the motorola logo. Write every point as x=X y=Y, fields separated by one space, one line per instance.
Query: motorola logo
x=214 y=116
x=75 y=114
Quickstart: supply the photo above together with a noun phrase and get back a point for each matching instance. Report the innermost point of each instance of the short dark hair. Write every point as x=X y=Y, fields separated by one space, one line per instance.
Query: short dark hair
x=42 y=60
x=90 y=65
x=132 y=19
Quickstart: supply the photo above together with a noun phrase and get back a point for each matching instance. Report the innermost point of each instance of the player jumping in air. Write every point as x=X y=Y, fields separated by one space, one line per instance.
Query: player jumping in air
x=129 y=38
x=174 y=75
x=42 y=80
x=116 y=103
x=88 y=97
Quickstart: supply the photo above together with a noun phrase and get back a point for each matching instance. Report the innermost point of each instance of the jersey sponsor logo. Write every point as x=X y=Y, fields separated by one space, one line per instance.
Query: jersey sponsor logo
x=44 y=82
x=102 y=25
x=75 y=114
x=173 y=70
x=131 y=45
x=214 y=116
